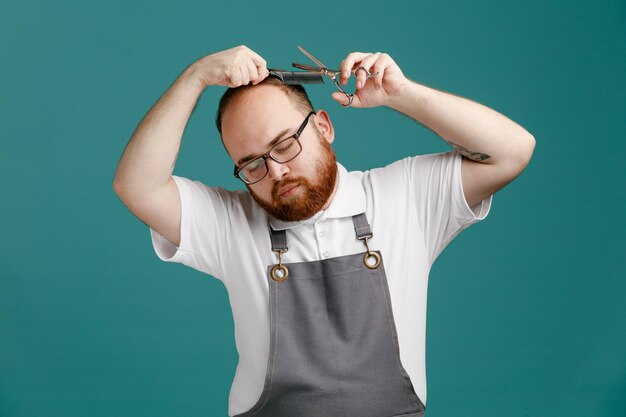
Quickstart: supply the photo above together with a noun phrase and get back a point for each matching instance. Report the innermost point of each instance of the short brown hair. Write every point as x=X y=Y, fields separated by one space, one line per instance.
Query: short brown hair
x=296 y=93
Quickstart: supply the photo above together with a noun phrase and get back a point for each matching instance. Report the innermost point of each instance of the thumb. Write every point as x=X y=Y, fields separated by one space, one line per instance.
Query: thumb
x=340 y=98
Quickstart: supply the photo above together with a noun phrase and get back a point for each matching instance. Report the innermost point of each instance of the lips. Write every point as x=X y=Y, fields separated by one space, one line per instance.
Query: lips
x=286 y=191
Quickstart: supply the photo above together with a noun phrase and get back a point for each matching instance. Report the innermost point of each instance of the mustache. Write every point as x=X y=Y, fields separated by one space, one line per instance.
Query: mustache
x=281 y=184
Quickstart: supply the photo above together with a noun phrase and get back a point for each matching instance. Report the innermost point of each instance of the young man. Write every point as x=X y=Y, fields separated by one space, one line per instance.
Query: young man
x=326 y=270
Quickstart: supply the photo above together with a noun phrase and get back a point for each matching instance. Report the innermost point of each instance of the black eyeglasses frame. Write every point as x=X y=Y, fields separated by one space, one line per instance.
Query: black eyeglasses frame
x=267 y=155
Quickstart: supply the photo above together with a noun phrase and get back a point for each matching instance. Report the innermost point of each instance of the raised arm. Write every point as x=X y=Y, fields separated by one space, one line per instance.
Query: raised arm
x=495 y=148
x=143 y=178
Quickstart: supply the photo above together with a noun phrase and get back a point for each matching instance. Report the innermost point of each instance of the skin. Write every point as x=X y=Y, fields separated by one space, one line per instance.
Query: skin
x=495 y=149
x=500 y=147
x=254 y=120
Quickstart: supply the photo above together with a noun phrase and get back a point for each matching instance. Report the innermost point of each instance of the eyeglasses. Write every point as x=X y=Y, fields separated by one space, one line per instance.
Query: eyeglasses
x=284 y=151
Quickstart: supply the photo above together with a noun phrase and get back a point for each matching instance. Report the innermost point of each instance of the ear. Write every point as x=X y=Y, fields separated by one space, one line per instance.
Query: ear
x=324 y=125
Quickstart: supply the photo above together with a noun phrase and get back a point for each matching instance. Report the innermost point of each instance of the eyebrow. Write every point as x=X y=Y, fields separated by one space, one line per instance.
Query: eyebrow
x=272 y=143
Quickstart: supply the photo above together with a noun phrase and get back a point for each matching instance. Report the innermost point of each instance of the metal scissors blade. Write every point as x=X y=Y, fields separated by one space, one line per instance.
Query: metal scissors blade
x=311 y=57
x=332 y=74
x=320 y=67
x=307 y=67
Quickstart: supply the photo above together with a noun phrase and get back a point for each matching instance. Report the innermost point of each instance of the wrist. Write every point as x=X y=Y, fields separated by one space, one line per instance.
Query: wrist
x=409 y=96
x=191 y=76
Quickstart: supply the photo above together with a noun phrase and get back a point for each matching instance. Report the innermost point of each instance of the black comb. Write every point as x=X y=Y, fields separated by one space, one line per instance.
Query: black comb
x=297 y=77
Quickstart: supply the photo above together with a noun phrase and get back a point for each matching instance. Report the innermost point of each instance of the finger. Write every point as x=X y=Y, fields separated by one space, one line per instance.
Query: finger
x=342 y=79
x=361 y=72
x=342 y=99
x=234 y=77
x=349 y=63
x=253 y=72
x=263 y=74
x=257 y=59
x=245 y=77
x=260 y=68
x=378 y=69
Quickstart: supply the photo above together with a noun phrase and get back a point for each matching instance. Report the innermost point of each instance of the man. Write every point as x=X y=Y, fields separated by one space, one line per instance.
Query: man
x=326 y=269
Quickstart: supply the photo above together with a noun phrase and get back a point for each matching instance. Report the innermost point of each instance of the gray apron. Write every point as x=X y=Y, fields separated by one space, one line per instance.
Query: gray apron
x=333 y=342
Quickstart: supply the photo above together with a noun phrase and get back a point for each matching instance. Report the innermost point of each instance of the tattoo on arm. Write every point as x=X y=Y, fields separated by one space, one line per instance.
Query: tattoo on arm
x=474 y=156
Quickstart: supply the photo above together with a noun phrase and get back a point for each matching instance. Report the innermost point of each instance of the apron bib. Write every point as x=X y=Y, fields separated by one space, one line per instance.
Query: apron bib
x=333 y=342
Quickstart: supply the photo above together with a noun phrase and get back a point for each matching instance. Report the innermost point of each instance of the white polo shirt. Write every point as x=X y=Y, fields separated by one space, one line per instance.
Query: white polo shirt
x=415 y=207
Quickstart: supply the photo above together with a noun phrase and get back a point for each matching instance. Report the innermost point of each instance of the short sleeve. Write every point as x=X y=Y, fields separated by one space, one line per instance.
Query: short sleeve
x=200 y=229
x=442 y=210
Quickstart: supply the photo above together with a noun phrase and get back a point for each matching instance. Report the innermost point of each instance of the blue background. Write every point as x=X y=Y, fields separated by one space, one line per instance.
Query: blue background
x=526 y=311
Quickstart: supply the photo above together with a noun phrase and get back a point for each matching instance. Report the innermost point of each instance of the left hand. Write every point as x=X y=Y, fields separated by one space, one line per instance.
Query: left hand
x=374 y=91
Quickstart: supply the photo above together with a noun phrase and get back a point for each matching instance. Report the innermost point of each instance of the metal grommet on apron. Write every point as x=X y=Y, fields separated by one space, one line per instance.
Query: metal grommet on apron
x=371 y=260
x=333 y=342
x=279 y=272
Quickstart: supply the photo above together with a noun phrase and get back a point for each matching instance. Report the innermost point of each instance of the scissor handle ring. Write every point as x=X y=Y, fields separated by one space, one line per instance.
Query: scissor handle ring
x=367 y=73
x=351 y=96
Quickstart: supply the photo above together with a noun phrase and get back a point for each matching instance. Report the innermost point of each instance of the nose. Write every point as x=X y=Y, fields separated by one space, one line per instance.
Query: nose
x=276 y=171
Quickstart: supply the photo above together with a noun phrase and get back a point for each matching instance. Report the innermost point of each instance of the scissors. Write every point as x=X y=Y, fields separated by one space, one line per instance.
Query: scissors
x=313 y=74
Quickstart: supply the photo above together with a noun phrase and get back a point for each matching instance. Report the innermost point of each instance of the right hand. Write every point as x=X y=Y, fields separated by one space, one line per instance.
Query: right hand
x=232 y=68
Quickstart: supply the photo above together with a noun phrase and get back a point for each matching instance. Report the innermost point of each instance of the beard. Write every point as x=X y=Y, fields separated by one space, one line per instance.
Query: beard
x=312 y=197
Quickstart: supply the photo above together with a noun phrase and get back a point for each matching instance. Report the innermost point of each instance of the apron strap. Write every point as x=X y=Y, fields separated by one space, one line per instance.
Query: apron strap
x=279 y=240
x=363 y=232
x=279 y=272
x=362 y=227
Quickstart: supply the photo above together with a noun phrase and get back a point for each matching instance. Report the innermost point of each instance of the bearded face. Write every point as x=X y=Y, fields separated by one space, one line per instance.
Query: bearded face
x=260 y=117
x=299 y=198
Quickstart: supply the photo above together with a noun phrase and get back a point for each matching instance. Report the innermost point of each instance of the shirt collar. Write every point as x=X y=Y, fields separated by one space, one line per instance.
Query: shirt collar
x=349 y=200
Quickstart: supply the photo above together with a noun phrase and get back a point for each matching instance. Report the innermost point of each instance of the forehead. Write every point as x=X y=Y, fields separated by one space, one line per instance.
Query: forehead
x=255 y=118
